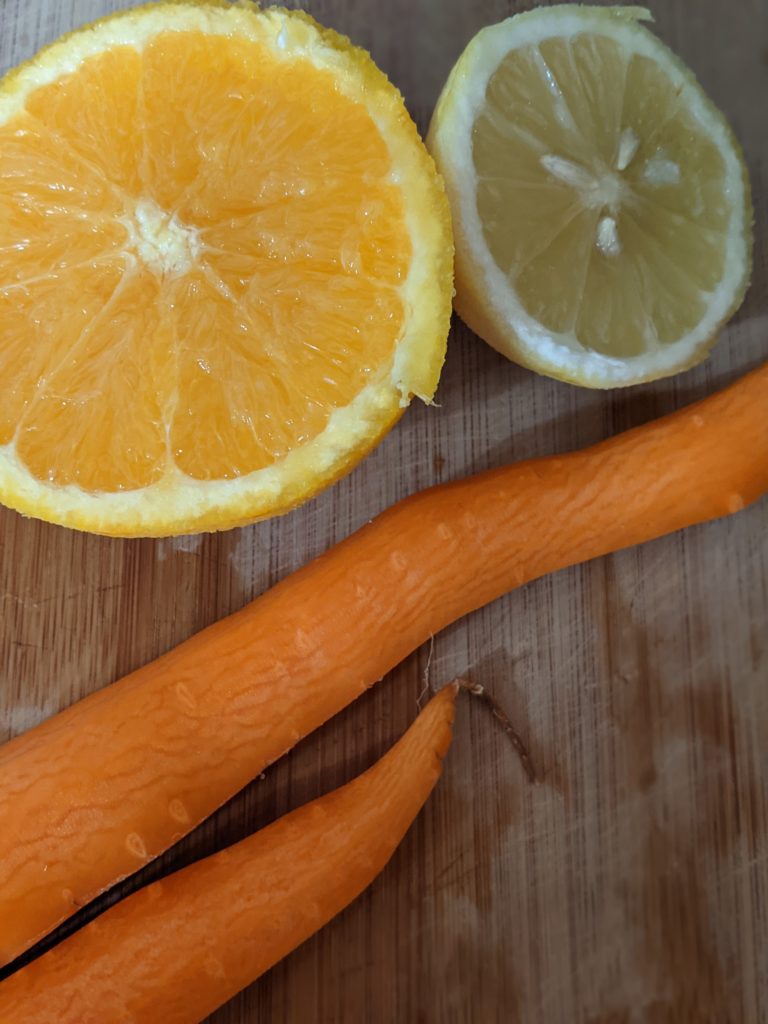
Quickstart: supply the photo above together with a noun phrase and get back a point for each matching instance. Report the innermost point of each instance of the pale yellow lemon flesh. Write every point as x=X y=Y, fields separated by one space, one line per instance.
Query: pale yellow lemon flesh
x=600 y=202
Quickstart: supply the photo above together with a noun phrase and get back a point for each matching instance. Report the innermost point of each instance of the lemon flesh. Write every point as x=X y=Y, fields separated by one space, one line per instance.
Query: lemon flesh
x=600 y=201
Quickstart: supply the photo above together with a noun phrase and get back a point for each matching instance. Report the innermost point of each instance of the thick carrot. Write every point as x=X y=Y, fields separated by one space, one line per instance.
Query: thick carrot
x=98 y=790
x=178 y=949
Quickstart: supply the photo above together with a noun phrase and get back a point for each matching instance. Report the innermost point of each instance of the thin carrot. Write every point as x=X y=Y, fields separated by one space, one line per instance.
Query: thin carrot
x=177 y=950
x=91 y=795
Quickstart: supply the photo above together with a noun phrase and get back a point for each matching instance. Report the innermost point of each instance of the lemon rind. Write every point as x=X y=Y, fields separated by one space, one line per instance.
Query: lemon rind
x=484 y=298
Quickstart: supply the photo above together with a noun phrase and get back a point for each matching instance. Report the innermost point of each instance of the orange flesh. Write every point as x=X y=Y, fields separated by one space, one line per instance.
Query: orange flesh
x=190 y=276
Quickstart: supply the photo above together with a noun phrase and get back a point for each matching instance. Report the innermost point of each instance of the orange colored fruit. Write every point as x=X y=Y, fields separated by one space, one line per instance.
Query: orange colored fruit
x=225 y=268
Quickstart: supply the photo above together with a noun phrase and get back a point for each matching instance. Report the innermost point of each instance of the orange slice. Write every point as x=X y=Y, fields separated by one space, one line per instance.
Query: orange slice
x=225 y=268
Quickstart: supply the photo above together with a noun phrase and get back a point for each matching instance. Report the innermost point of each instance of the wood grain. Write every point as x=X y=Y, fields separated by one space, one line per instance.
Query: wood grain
x=631 y=883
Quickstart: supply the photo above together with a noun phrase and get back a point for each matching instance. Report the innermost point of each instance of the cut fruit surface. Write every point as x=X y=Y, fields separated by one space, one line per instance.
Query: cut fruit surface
x=600 y=202
x=225 y=268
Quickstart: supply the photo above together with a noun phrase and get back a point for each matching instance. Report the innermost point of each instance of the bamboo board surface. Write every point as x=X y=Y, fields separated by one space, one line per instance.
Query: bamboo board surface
x=631 y=883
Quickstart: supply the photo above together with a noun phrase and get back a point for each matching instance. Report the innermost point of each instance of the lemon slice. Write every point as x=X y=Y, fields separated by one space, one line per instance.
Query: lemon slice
x=601 y=204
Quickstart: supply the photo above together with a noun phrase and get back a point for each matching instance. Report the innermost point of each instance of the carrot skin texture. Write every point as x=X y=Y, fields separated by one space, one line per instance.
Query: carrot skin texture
x=177 y=950
x=95 y=792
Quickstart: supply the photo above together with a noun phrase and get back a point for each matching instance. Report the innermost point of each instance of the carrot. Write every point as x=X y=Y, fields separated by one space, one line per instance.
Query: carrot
x=177 y=950
x=95 y=792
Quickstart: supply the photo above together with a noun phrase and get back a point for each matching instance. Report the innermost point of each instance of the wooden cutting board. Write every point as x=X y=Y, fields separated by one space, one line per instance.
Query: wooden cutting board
x=631 y=883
